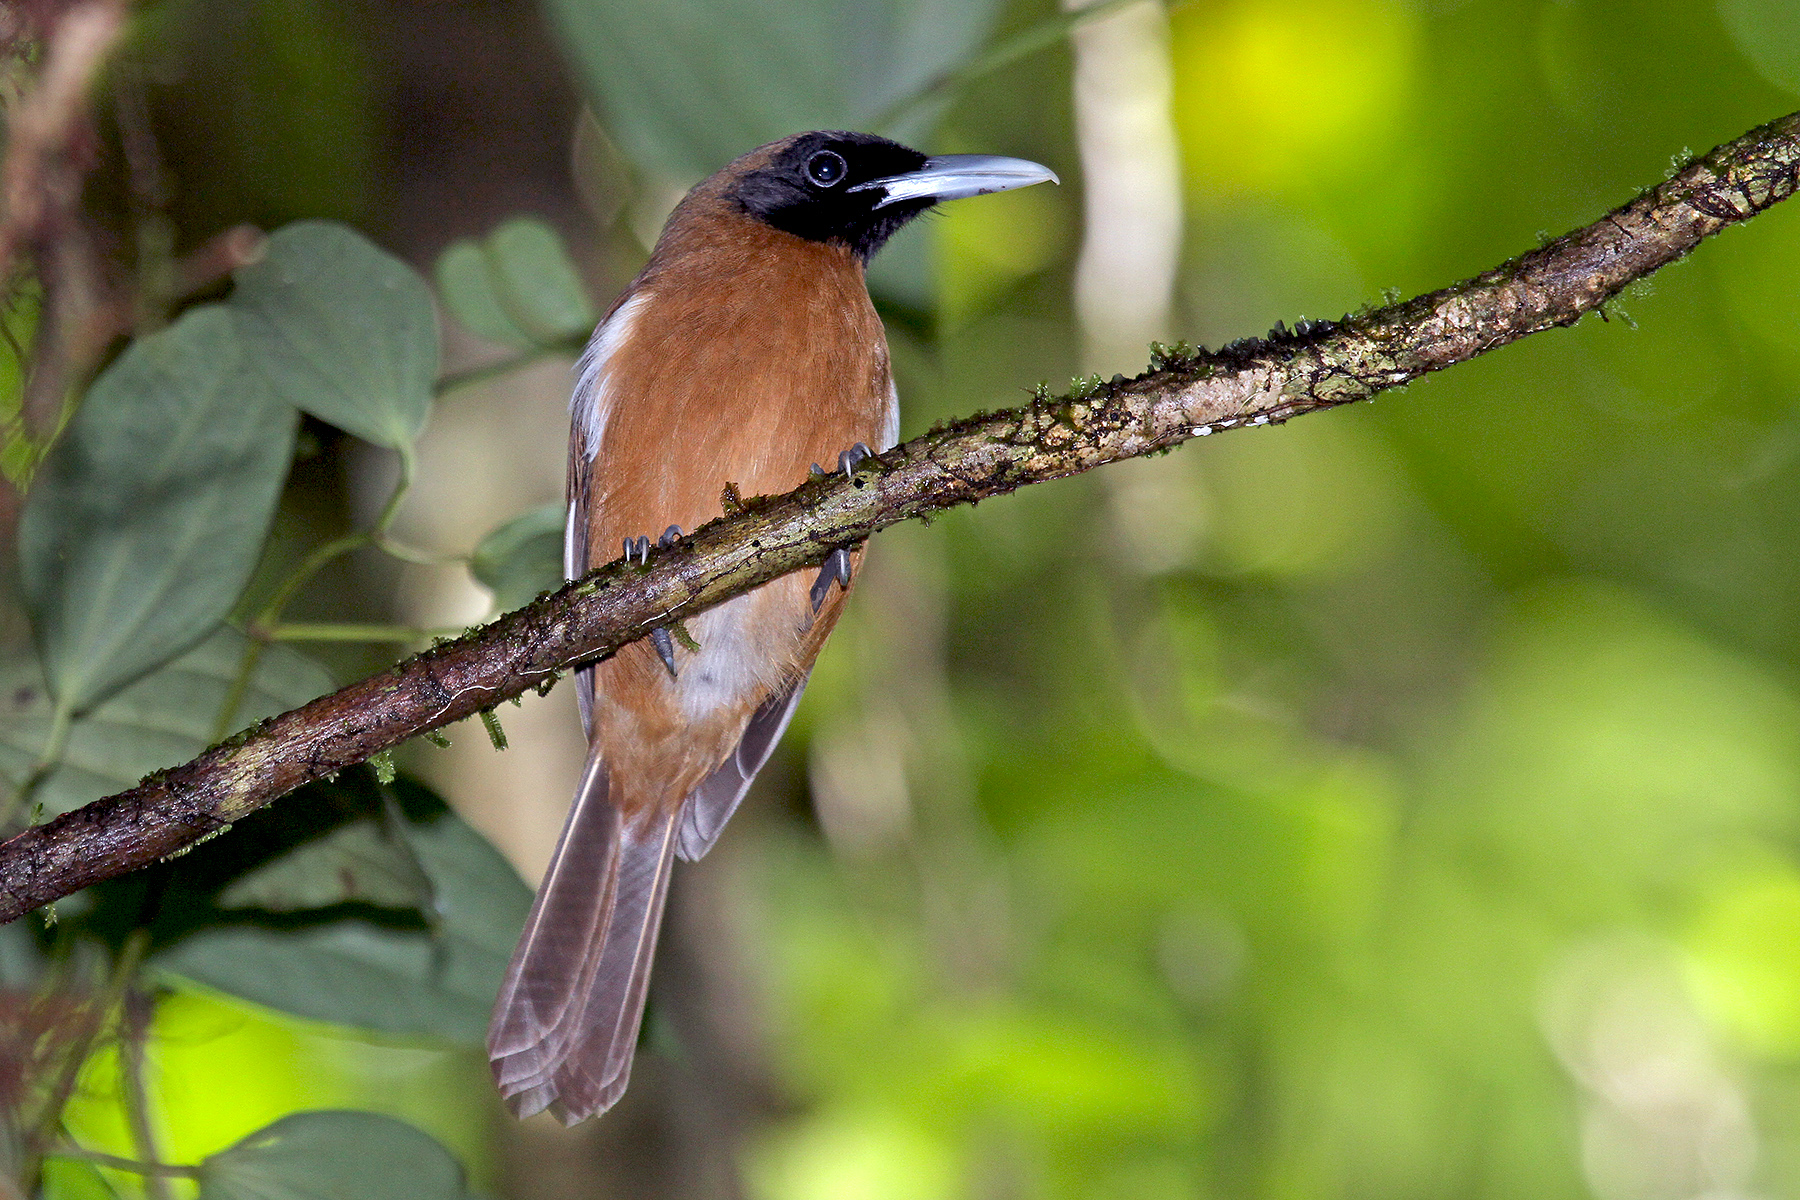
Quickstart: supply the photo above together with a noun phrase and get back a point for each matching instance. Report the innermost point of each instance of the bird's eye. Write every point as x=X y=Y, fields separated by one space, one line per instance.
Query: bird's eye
x=827 y=168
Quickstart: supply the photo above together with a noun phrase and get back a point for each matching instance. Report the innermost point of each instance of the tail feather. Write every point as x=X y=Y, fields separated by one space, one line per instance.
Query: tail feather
x=567 y=1018
x=554 y=956
x=605 y=1035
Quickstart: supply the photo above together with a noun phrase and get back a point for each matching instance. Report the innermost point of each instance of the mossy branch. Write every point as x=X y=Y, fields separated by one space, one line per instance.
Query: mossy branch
x=1185 y=394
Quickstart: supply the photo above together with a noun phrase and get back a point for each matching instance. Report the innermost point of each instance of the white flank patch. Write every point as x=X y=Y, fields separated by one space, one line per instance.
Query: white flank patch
x=573 y=567
x=890 y=420
x=592 y=402
x=730 y=665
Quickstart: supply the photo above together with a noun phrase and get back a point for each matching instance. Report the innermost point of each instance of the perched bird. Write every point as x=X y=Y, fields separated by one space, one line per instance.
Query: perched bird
x=745 y=351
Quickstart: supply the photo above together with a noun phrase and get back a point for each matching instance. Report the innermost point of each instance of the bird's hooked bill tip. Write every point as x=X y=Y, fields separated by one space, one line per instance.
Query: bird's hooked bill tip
x=953 y=176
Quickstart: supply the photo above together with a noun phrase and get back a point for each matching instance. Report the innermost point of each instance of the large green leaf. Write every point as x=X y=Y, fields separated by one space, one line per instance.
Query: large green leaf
x=523 y=557
x=337 y=841
x=342 y=329
x=517 y=286
x=467 y=291
x=66 y=1179
x=688 y=85
x=334 y=1155
x=537 y=281
x=160 y=721
x=365 y=861
x=144 y=524
x=438 y=982
x=22 y=957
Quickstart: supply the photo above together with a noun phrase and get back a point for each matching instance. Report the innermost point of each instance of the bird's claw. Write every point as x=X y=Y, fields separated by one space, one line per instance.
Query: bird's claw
x=835 y=570
x=639 y=547
x=852 y=458
x=847 y=461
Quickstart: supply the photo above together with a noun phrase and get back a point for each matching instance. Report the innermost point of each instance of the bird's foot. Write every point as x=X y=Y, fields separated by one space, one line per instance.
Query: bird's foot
x=835 y=570
x=847 y=461
x=852 y=458
x=639 y=548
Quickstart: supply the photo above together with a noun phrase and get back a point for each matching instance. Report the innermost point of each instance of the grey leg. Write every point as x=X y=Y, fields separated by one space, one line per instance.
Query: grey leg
x=836 y=569
x=665 y=646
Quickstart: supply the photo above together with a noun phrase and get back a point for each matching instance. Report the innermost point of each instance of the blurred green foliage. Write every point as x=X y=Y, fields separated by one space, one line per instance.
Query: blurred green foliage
x=1399 y=803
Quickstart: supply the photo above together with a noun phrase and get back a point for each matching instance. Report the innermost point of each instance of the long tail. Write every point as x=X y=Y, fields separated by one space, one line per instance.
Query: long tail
x=567 y=1018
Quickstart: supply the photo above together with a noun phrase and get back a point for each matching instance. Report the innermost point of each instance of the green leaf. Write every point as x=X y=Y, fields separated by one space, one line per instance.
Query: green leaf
x=334 y=1155
x=352 y=973
x=18 y=328
x=688 y=85
x=342 y=330
x=537 y=283
x=467 y=291
x=362 y=862
x=68 y=1179
x=22 y=958
x=160 y=721
x=338 y=841
x=439 y=982
x=144 y=523
x=518 y=287
x=523 y=557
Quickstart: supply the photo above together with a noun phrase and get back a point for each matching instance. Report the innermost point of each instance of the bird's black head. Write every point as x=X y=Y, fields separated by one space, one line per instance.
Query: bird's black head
x=811 y=187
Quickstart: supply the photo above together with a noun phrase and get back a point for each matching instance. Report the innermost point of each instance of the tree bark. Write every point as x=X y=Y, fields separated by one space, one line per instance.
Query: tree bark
x=1258 y=381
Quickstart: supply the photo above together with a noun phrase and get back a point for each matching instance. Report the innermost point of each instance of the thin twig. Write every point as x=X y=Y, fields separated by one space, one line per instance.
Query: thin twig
x=50 y=146
x=76 y=1051
x=136 y=1009
x=267 y=623
x=100 y=1158
x=42 y=173
x=468 y=377
x=1252 y=383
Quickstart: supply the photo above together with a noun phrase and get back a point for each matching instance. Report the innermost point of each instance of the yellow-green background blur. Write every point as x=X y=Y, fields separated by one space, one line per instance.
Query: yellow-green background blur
x=1399 y=803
